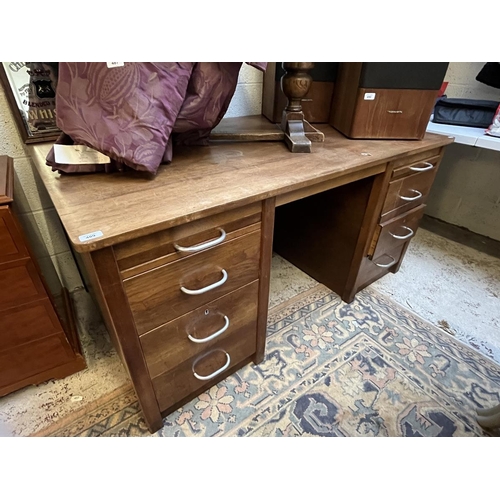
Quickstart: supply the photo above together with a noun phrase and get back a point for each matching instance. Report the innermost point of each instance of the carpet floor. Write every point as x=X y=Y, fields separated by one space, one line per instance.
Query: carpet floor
x=369 y=368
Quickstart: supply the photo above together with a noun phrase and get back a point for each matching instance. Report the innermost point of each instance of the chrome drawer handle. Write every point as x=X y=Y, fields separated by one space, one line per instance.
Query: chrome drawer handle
x=406 y=198
x=213 y=336
x=207 y=288
x=429 y=166
x=387 y=265
x=202 y=246
x=216 y=372
x=406 y=236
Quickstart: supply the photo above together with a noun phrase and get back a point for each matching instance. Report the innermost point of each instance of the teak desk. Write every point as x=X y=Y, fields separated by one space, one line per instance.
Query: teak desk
x=180 y=264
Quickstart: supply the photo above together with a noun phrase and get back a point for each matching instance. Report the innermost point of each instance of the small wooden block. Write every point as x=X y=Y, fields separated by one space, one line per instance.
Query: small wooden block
x=247 y=129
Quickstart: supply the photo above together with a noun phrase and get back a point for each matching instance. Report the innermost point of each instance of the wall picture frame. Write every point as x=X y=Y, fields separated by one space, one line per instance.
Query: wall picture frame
x=30 y=89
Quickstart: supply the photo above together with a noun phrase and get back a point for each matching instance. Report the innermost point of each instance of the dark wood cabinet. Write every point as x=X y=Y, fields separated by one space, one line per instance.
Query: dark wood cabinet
x=385 y=100
x=36 y=343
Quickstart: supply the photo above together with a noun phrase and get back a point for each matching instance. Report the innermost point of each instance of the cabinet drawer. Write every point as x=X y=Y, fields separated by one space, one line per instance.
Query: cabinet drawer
x=33 y=358
x=156 y=297
x=407 y=192
x=27 y=323
x=397 y=231
x=11 y=244
x=177 y=384
x=19 y=284
x=140 y=255
x=233 y=314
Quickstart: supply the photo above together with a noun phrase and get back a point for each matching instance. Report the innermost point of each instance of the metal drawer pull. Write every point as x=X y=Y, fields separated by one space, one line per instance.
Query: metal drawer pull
x=406 y=198
x=387 y=265
x=216 y=334
x=215 y=373
x=429 y=166
x=207 y=288
x=406 y=236
x=202 y=246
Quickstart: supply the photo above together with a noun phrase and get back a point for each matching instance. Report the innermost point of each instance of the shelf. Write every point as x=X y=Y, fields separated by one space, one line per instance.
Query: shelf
x=466 y=135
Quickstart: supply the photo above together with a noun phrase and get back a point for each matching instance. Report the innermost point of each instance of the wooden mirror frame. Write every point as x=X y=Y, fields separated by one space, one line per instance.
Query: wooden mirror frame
x=26 y=135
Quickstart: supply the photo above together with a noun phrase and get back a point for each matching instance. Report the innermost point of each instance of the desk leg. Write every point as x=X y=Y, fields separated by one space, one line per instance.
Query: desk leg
x=108 y=288
x=266 y=253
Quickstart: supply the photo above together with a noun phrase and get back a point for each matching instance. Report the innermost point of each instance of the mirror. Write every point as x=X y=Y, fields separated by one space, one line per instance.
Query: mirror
x=31 y=92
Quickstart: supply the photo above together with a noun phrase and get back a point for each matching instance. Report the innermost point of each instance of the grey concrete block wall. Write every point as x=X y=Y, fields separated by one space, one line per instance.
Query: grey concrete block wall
x=247 y=99
x=35 y=209
x=10 y=139
x=466 y=191
x=462 y=83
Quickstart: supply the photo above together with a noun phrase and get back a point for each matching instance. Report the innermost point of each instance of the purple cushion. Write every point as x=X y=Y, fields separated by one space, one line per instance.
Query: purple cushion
x=131 y=113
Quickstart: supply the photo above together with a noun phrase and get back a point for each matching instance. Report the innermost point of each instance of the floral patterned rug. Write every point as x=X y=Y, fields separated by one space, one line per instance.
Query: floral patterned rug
x=369 y=368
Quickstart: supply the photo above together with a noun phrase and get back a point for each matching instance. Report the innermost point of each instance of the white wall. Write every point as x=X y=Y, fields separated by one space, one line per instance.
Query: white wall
x=466 y=191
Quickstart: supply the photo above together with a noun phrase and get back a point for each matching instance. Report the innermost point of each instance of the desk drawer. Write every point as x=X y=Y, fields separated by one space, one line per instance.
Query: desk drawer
x=415 y=158
x=156 y=297
x=397 y=231
x=233 y=314
x=407 y=192
x=177 y=384
x=140 y=255
x=372 y=270
x=416 y=167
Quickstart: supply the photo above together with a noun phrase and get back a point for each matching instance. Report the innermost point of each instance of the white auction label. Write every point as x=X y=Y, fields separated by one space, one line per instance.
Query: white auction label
x=90 y=236
x=115 y=64
x=78 y=155
x=370 y=96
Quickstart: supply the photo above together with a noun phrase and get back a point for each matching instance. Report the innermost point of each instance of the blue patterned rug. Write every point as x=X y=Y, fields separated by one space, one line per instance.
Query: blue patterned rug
x=369 y=368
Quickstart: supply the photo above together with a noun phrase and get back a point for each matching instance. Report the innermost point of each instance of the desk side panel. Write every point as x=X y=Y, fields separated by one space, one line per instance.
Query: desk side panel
x=266 y=253
x=320 y=234
x=107 y=286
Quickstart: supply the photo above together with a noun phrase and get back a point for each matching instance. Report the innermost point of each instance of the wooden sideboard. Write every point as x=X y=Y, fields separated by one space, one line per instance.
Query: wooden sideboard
x=180 y=264
x=36 y=343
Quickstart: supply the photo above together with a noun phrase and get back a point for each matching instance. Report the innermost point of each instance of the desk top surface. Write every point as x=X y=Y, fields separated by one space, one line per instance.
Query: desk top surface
x=205 y=180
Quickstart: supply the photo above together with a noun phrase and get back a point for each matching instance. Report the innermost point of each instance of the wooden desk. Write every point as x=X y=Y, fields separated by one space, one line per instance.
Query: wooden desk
x=339 y=214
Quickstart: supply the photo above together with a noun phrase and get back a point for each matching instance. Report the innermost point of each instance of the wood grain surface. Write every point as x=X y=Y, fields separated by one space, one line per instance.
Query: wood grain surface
x=167 y=346
x=172 y=386
x=6 y=180
x=399 y=226
x=206 y=180
x=155 y=297
x=408 y=187
x=395 y=114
